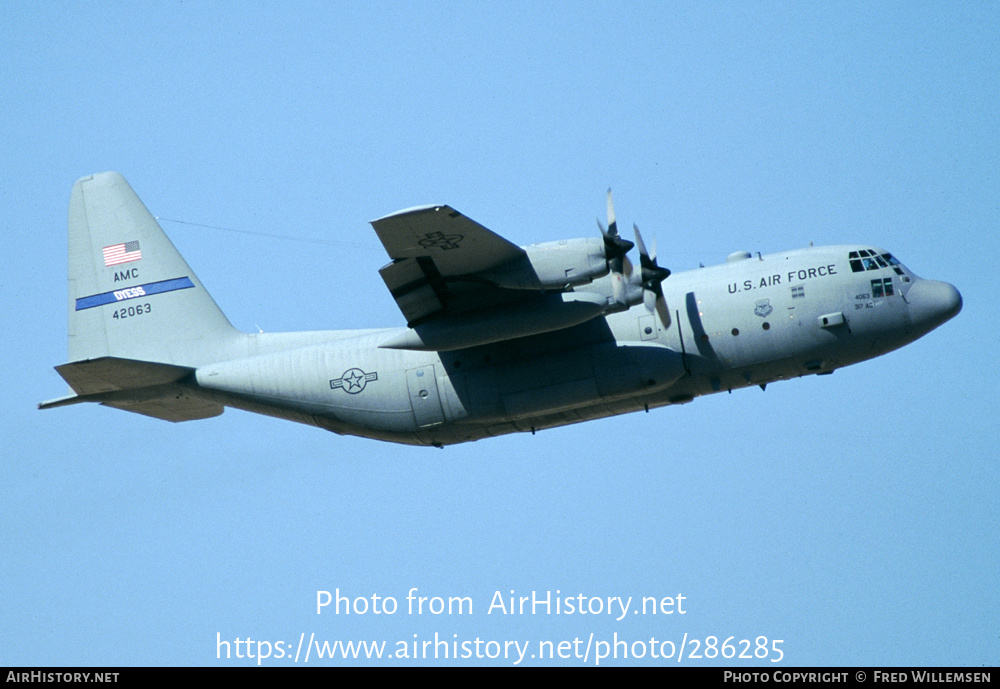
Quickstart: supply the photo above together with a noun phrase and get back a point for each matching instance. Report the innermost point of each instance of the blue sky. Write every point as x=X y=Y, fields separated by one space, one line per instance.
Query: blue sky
x=854 y=516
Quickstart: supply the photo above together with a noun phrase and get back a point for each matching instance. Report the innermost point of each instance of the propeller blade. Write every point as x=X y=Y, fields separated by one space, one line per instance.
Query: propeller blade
x=652 y=275
x=649 y=298
x=615 y=246
x=618 y=288
x=662 y=311
x=612 y=222
x=644 y=258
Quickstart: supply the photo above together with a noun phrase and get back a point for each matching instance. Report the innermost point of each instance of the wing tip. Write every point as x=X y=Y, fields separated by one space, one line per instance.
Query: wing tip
x=60 y=402
x=434 y=207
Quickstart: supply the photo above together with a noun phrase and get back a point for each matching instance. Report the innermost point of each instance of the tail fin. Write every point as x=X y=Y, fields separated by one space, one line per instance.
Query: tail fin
x=131 y=294
x=140 y=321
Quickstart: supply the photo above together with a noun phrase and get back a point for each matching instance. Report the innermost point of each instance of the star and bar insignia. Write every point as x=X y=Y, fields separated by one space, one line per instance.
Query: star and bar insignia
x=441 y=240
x=353 y=381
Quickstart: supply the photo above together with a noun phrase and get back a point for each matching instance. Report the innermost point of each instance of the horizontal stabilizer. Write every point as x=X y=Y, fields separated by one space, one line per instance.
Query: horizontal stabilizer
x=111 y=373
x=173 y=409
x=142 y=387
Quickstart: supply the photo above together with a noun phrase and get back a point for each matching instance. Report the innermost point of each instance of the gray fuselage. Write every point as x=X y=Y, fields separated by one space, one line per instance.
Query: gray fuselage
x=750 y=321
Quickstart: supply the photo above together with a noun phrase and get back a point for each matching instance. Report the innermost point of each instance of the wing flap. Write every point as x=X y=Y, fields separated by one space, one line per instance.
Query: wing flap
x=419 y=290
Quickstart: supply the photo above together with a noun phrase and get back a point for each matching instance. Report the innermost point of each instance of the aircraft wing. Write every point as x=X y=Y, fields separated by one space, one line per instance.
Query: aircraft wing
x=436 y=255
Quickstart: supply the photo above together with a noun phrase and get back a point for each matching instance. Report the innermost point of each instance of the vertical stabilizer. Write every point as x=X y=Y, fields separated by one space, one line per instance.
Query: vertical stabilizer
x=131 y=294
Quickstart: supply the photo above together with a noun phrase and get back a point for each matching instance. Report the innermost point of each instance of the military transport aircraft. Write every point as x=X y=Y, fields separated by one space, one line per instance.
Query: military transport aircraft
x=499 y=338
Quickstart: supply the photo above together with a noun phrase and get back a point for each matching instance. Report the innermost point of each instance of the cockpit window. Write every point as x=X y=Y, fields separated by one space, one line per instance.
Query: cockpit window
x=866 y=259
x=894 y=262
x=882 y=287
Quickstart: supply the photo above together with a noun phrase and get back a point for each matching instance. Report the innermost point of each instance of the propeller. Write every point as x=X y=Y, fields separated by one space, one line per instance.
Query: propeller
x=615 y=247
x=651 y=276
x=615 y=250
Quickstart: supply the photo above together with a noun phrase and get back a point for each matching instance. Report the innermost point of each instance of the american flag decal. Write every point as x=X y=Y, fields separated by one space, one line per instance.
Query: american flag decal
x=122 y=253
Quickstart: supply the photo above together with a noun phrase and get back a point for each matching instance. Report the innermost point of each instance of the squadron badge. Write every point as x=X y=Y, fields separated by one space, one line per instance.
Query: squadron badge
x=764 y=308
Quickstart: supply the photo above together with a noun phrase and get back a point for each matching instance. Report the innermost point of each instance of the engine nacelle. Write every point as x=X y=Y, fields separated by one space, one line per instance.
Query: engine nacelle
x=553 y=265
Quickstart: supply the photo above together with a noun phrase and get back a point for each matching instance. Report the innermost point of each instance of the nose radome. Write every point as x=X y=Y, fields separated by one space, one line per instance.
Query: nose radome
x=932 y=302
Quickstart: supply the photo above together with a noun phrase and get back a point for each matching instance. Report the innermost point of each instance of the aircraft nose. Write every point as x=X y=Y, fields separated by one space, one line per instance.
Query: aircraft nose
x=932 y=303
